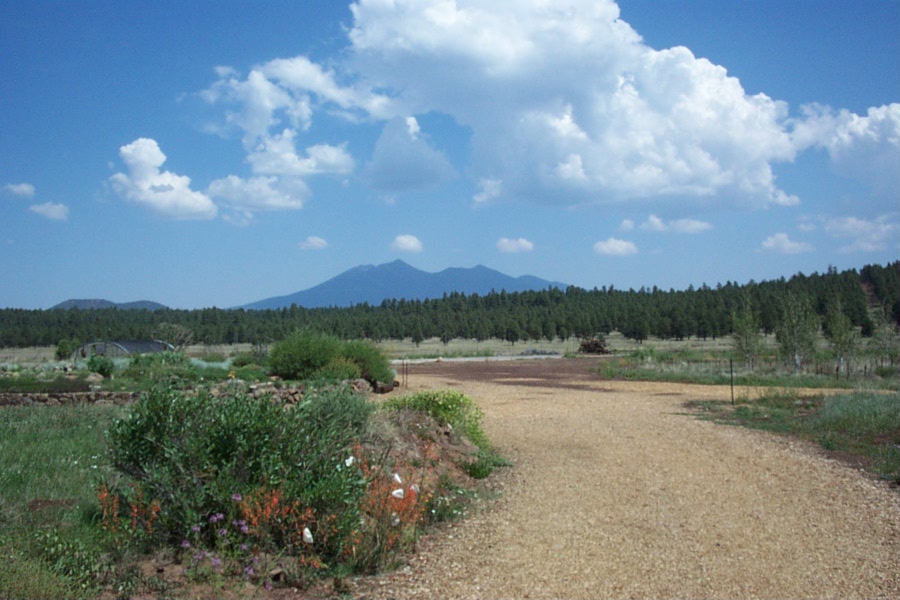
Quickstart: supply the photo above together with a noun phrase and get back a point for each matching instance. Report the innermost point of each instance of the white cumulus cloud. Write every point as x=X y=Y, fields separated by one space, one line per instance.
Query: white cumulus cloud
x=864 y=235
x=277 y=155
x=782 y=244
x=615 y=247
x=864 y=147
x=24 y=190
x=686 y=226
x=567 y=104
x=259 y=193
x=165 y=192
x=406 y=243
x=490 y=189
x=50 y=210
x=509 y=245
x=314 y=242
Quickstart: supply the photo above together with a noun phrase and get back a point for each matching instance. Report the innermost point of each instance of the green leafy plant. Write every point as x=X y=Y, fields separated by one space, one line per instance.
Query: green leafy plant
x=340 y=369
x=373 y=365
x=301 y=355
x=194 y=453
x=450 y=407
x=101 y=365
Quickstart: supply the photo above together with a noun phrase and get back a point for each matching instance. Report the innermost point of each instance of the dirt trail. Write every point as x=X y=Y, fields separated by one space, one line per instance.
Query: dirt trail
x=618 y=494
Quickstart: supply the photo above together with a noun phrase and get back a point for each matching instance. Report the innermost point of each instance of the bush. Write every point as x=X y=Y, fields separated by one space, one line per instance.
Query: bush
x=65 y=348
x=340 y=369
x=302 y=354
x=198 y=458
x=373 y=365
x=101 y=364
x=450 y=407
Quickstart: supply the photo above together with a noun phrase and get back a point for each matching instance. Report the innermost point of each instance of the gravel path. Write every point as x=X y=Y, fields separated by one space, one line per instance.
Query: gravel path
x=616 y=493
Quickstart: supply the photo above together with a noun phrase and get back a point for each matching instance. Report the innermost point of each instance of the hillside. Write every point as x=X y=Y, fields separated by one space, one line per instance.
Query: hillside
x=99 y=303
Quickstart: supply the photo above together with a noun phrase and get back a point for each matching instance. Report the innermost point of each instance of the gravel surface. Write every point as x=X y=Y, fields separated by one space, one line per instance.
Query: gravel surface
x=617 y=493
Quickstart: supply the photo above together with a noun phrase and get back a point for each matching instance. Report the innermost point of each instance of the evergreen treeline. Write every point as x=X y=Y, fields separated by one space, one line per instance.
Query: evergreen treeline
x=553 y=313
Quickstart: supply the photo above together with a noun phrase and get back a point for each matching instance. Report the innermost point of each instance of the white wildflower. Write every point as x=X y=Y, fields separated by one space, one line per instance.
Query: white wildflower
x=307 y=536
x=398 y=494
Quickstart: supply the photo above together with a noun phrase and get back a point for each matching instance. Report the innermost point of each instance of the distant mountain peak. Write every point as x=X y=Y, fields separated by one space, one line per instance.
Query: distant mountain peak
x=399 y=280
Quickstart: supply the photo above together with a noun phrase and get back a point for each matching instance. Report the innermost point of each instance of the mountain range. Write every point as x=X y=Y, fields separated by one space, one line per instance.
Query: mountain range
x=371 y=284
x=397 y=279
x=98 y=303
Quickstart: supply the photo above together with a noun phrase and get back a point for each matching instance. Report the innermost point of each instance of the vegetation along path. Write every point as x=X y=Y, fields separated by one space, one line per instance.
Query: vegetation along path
x=617 y=493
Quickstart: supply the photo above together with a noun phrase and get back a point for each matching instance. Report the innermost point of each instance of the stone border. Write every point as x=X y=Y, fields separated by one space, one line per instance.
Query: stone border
x=68 y=398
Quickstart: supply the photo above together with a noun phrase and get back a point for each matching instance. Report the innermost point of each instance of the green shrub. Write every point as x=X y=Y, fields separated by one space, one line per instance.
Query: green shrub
x=340 y=369
x=302 y=354
x=450 y=407
x=373 y=365
x=101 y=364
x=197 y=455
x=65 y=348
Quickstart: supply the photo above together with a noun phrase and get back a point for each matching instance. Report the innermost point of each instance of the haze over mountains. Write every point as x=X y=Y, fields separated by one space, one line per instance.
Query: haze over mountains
x=373 y=284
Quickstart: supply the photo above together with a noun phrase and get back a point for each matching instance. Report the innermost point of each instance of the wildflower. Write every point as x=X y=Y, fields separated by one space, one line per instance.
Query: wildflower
x=398 y=494
x=395 y=519
x=248 y=570
x=223 y=532
x=397 y=479
x=245 y=529
x=268 y=585
x=350 y=461
x=195 y=529
x=243 y=547
x=236 y=497
x=216 y=562
x=185 y=544
x=414 y=488
x=307 y=536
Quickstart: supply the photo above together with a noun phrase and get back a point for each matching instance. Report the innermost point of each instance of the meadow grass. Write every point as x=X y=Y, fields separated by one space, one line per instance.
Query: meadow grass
x=51 y=459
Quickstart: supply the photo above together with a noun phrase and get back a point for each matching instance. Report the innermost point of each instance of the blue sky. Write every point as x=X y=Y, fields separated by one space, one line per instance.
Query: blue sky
x=216 y=153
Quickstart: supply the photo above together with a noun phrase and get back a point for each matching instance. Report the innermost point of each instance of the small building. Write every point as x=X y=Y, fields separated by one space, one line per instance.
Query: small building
x=122 y=348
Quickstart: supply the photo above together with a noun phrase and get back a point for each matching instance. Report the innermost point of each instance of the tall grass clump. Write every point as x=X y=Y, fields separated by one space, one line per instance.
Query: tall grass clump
x=196 y=466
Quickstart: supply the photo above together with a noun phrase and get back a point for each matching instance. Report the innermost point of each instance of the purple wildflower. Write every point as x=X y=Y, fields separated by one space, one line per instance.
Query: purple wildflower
x=223 y=531
x=195 y=529
x=185 y=544
x=236 y=497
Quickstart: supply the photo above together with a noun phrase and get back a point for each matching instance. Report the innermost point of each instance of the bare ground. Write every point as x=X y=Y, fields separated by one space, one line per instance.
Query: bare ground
x=617 y=493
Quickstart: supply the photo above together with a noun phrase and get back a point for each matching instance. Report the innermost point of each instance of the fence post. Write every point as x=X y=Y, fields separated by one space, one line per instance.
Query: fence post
x=731 y=368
